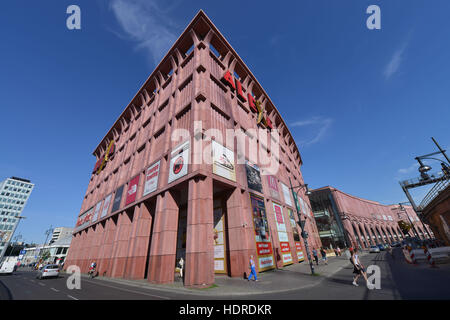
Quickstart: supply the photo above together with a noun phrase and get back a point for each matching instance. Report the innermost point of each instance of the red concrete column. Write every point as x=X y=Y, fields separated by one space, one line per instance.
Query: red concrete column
x=349 y=231
x=241 y=234
x=366 y=235
x=106 y=249
x=73 y=251
x=164 y=240
x=358 y=233
x=139 y=242
x=200 y=237
x=120 y=245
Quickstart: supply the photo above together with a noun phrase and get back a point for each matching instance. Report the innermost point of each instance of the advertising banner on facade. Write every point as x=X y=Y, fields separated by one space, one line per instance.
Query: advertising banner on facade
x=253 y=176
x=262 y=235
x=132 y=190
x=151 y=178
x=5 y=236
x=219 y=241
x=300 y=255
x=295 y=233
x=96 y=211
x=223 y=161
x=84 y=219
x=106 y=206
x=282 y=234
x=117 y=199
x=286 y=194
x=273 y=186
x=179 y=161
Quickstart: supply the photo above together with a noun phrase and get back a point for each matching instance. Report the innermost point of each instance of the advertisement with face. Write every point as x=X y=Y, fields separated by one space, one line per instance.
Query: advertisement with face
x=262 y=235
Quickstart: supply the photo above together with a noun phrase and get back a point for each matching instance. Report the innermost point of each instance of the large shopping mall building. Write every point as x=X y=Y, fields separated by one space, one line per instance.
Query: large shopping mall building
x=346 y=220
x=150 y=201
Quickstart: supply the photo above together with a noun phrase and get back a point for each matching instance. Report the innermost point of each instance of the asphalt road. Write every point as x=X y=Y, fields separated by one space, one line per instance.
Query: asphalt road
x=398 y=280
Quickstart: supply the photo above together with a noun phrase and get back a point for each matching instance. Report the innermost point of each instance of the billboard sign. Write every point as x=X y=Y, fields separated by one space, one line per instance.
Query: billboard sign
x=84 y=219
x=132 y=190
x=223 y=161
x=117 y=199
x=151 y=178
x=253 y=176
x=106 y=206
x=286 y=194
x=179 y=161
x=97 y=211
x=262 y=235
x=282 y=235
x=273 y=186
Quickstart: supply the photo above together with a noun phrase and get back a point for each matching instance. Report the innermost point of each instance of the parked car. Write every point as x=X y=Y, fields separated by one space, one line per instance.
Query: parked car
x=374 y=249
x=396 y=244
x=381 y=247
x=47 y=271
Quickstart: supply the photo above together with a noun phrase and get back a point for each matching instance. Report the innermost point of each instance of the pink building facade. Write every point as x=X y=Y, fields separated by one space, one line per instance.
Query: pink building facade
x=153 y=198
x=346 y=220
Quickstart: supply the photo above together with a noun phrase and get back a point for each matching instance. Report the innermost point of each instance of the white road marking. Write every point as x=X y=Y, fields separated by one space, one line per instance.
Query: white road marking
x=54 y=289
x=32 y=281
x=143 y=293
x=41 y=284
x=72 y=297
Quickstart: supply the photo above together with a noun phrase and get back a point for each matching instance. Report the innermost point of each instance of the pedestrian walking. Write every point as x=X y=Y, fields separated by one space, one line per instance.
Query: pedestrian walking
x=338 y=251
x=358 y=268
x=324 y=255
x=181 y=265
x=252 y=269
x=316 y=257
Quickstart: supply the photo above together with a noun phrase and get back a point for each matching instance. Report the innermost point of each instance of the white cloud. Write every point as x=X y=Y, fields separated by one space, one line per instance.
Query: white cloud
x=410 y=169
x=394 y=63
x=322 y=123
x=146 y=23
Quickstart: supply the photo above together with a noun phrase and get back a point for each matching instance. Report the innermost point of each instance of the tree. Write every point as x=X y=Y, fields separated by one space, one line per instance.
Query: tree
x=45 y=255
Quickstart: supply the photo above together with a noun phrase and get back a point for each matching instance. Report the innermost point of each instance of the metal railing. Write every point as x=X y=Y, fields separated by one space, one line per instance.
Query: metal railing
x=434 y=192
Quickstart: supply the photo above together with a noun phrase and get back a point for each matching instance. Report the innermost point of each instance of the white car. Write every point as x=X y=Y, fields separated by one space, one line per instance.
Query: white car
x=374 y=249
x=49 y=270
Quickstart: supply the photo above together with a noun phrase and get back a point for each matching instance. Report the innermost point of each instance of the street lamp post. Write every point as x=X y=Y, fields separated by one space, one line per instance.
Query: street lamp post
x=302 y=223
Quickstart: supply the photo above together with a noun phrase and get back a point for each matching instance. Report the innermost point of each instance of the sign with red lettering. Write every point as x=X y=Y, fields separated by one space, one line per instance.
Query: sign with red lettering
x=132 y=190
x=273 y=186
x=151 y=178
x=263 y=248
x=298 y=247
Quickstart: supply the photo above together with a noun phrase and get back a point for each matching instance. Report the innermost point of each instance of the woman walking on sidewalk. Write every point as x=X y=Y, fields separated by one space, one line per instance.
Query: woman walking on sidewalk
x=252 y=269
x=316 y=257
x=358 y=268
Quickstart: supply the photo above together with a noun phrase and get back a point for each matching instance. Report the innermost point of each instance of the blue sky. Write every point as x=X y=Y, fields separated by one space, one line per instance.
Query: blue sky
x=360 y=103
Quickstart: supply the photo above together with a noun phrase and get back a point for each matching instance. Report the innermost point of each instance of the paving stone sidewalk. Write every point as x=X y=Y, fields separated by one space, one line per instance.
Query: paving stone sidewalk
x=293 y=277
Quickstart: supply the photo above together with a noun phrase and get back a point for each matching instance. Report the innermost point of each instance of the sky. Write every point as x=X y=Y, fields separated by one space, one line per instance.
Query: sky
x=361 y=104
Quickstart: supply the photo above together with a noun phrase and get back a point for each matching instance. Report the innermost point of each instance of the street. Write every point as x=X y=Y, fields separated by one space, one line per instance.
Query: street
x=399 y=281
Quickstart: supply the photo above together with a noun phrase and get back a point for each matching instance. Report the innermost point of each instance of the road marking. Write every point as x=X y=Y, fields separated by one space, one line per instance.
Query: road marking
x=54 y=289
x=32 y=281
x=143 y=293
x=72 y=297
x=41 y=284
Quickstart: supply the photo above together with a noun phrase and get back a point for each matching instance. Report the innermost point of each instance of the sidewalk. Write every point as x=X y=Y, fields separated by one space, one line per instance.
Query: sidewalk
x=293 y=277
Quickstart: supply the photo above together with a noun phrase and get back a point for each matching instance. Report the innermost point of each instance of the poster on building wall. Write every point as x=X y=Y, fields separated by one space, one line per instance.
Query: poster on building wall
x=84 y=219
x=96 y=211
x=295 y=233
x=223 y=161
x=286 y=194
x=179 y=161
x=300 y=255
x=106 y=206
x=282 y=235
x=132 y=190
x=253 y=176
x=117 y=199
x=5 y=236
x=273 y=186
x=151 y=178
x=219 y=241
x=262 y=235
